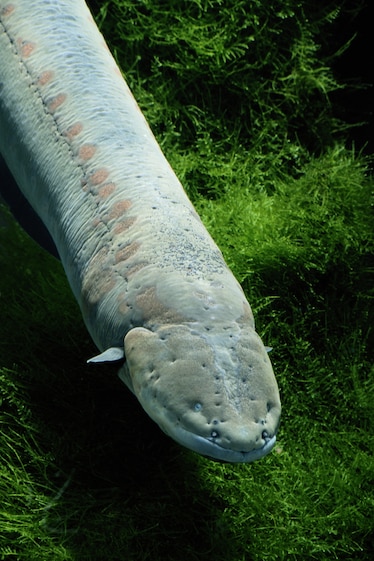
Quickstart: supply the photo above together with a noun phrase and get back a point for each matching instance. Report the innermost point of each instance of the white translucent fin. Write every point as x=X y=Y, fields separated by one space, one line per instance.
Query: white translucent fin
x=113 y=354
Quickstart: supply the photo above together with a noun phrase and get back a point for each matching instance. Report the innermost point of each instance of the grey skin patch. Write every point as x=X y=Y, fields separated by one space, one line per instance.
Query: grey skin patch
x=195 y=389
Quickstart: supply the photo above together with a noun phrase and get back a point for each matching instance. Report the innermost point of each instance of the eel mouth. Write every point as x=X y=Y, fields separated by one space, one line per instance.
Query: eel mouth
x=210 y=449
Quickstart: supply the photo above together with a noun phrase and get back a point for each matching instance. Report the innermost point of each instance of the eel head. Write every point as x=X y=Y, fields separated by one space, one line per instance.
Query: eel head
x=212 y=391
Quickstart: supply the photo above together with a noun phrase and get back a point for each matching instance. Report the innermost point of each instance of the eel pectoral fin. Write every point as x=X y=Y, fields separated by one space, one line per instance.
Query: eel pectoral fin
x=113 y=354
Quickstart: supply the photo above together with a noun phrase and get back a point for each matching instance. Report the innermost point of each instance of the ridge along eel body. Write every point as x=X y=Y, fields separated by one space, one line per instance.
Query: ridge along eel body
x=152 y=285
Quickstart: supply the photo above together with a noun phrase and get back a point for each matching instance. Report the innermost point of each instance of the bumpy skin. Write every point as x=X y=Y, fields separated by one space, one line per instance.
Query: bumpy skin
x=149 y=279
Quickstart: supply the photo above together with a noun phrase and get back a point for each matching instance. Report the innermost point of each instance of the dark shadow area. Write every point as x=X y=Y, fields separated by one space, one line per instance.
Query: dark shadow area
x=23 y=211
x=354 y=103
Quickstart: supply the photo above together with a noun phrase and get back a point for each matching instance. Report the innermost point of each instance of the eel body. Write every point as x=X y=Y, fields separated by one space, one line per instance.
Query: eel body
x=152 y=286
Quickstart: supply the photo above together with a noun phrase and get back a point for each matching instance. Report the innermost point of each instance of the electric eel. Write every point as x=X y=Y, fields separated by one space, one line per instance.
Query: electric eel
x=153 y=287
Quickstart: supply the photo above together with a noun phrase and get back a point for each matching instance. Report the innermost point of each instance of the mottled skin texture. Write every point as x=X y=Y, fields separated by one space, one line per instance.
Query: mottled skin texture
x=151 y=283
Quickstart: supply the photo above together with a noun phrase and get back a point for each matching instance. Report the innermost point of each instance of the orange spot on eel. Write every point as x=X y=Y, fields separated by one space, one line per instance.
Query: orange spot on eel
x=126 y=252
x=45 y=77
x=86 y=151
x=74 y=130
x=7 y=10
x=99 y=176
x=122 y=226
x=106 y=190
x=25 y=47
x=119 y=208
x=56 y=102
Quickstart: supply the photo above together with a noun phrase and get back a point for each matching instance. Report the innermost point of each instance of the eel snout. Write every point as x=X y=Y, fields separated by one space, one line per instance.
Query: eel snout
x=213 y=393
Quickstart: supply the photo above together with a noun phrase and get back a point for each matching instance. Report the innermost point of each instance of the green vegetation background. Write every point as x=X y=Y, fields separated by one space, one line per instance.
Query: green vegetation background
x=240 y=95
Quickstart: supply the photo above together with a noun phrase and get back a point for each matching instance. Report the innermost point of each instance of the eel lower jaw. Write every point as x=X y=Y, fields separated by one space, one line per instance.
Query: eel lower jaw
x=207 y=447
x=210 y=449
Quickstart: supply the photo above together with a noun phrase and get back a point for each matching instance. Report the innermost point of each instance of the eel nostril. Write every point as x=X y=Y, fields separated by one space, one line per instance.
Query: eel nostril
x=265 y=435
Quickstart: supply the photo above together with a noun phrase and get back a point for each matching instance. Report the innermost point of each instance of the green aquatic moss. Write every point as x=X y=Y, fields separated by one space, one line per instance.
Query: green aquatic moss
x=239 y=95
